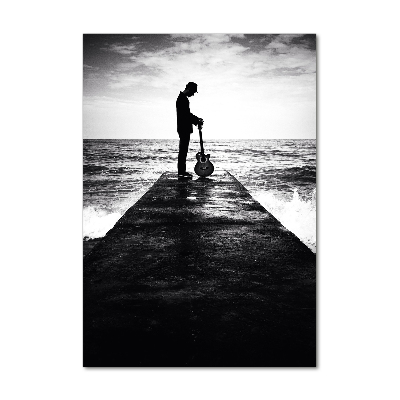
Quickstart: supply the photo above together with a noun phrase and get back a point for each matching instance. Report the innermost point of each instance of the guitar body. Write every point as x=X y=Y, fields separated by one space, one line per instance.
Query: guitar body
x=203 y=166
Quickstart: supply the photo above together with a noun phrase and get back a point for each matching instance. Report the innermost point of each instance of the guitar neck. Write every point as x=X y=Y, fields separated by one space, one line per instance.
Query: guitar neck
x=201 y=140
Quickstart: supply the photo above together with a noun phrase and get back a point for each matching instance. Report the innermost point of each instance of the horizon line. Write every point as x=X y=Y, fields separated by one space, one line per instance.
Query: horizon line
x=147 y=138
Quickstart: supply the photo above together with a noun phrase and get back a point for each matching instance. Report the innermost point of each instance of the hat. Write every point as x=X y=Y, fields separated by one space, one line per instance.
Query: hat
x=192 y=85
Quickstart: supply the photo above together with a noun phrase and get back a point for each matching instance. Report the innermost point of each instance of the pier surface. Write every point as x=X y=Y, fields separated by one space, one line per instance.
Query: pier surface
x=197 y=273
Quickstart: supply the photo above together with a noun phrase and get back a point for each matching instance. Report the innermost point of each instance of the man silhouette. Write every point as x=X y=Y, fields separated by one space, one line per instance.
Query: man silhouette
x=185 y=121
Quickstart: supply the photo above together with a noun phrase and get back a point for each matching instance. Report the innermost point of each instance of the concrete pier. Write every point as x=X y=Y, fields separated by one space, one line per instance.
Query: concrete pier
x=197 y=273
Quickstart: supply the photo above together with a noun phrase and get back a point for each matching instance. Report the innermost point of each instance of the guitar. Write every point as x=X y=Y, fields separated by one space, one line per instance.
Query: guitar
x=203 y=166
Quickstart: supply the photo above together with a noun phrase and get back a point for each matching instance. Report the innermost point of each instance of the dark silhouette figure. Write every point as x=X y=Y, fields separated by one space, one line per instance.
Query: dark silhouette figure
x=185 y=121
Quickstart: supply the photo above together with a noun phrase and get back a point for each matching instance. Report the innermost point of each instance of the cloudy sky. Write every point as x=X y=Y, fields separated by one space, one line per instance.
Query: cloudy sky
x=250 y=86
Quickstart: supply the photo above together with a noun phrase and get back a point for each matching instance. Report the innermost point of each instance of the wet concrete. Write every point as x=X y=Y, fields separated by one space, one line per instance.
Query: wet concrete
x=197 y=273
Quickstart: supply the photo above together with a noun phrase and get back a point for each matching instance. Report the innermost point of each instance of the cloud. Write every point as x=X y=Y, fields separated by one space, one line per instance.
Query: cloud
x=90 y=67
x=267 y=81
x=219 y=56
x=220 y=60
x=228 y=68
x=286 y=43
x=207 y=38
x=122 y=49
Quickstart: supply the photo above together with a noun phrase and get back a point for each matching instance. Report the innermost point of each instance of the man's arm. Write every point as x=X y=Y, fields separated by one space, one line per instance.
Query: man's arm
x=196 y=120
x=193 y=119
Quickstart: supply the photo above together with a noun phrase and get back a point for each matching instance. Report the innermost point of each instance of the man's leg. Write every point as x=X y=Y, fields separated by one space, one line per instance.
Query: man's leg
x=183 y=150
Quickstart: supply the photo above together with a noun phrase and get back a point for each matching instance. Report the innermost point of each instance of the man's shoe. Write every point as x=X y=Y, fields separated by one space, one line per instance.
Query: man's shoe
x=186 y=175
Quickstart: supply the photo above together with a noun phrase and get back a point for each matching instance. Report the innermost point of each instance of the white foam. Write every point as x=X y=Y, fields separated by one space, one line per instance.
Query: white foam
x=97 y=222
x=298 y=215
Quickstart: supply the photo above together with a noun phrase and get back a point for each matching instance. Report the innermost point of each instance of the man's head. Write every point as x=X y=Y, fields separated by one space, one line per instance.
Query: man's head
x=191 y=89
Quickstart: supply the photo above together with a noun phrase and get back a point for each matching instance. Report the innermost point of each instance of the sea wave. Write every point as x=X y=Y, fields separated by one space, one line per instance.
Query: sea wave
x=296 y=214
x=280 y=174
x=98 y=221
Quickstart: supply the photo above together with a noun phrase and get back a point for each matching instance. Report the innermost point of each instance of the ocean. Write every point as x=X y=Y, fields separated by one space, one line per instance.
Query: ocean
x=279 y=174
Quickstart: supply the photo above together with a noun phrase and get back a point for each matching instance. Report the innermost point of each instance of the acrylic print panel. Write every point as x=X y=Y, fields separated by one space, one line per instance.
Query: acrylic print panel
x=203 y=271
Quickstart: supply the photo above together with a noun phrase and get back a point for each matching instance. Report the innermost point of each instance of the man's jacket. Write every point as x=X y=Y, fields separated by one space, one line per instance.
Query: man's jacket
x=185 y=119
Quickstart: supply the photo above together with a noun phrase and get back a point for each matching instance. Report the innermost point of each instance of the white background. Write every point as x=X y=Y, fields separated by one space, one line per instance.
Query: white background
x=358 y=219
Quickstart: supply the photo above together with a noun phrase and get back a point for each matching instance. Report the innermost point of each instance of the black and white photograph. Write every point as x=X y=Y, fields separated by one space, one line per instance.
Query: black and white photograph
x=199 y=200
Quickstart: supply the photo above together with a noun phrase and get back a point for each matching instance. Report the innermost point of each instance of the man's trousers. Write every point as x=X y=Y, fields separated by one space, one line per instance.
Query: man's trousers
x=184 y=139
